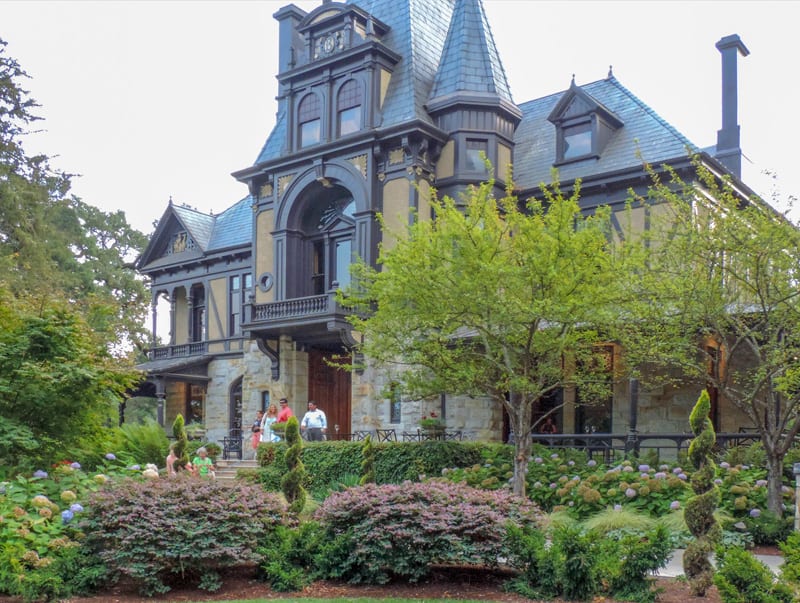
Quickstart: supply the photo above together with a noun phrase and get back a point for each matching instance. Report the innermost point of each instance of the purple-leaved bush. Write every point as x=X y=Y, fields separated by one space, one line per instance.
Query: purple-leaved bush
x=377 y=532
x=181 y=525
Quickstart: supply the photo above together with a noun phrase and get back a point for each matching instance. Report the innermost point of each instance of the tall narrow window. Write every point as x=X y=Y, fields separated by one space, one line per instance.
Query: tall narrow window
x=198 y=314
x=348 y=107
x=395 y=408
x=476 y=153
x=195 y=403
x=235 y=308
x=309 y=120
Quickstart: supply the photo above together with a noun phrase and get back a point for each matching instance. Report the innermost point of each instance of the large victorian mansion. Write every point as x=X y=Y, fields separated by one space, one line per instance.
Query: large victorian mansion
x=378 y=102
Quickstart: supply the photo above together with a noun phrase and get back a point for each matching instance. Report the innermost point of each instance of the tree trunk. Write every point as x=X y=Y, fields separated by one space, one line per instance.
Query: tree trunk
x=774 y=482
x=521 y=424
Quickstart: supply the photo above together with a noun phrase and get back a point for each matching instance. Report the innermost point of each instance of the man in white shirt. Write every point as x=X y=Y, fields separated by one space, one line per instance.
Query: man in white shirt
x=314 y=423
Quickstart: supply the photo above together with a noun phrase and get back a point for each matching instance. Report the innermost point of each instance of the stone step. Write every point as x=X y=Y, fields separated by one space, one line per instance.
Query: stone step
x=227 y=469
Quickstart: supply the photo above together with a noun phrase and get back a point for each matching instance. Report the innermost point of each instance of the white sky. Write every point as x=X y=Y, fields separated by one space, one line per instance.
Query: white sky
x=148 y=100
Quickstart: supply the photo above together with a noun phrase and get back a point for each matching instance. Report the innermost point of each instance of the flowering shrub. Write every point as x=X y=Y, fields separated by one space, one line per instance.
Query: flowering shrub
x=373 y=533
x=150 y=529
x=41 y=556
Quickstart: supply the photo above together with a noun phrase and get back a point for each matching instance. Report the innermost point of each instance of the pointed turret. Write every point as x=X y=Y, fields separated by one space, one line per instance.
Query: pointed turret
x=470 y=100
x=470 y=62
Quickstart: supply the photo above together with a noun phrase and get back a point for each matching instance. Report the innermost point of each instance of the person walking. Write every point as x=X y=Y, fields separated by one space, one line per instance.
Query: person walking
x=314 y=423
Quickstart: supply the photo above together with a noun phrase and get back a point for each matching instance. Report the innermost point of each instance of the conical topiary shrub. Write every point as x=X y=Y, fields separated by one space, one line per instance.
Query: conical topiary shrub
x=368 y=462
x=181 y=443
x=292 y=482
x=699 y=512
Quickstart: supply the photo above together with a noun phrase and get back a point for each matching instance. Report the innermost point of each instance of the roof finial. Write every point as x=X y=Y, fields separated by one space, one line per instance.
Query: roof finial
x=611 y=71
x=170 y=199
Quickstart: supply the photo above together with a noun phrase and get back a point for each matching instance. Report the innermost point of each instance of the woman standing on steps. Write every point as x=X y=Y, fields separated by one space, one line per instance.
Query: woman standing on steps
x=256 y=429
x=267 y=435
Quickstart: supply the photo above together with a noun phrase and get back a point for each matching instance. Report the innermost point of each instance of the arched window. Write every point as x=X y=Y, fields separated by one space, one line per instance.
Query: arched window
x=309 y=118
x=348 y=108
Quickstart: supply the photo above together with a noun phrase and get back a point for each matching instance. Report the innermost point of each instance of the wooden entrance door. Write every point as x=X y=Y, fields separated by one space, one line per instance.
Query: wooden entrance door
x=329 y=387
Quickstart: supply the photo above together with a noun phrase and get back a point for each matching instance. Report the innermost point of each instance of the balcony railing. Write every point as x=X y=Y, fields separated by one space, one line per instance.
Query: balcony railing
x=294 y=308
x=177 y=351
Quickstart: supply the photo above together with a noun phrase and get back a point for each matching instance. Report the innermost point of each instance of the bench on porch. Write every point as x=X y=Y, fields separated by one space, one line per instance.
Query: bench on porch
x=232 y=444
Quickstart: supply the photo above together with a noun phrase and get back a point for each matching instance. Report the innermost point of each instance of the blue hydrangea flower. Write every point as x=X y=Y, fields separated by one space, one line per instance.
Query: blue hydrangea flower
x=75 y=465
x=554 y=456
x=675 y=505
x=618 y=507
x=40 y=474
x=644 y=468
x=761 y=483
x=718 y=481
x=630 y=492
x=725 y=465
x=754 y=513
x=682 y=476
x=66 y=516
x=111 y=456
x=539 y=460
x=571 y=463
x=660 y=475
x=76 y=508
x=592 y=463
x=134 y=468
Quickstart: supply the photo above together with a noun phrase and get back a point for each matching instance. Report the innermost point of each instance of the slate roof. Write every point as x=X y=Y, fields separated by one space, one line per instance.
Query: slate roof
x=233 y=227
x=644 y=131
x=470 y=61
x=418 y=29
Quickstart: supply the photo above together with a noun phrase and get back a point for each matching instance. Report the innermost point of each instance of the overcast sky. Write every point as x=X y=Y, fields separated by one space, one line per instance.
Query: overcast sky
x=147 y=100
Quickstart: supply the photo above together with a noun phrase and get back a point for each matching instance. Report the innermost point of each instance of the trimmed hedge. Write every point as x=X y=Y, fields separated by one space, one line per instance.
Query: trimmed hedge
x=395 y=462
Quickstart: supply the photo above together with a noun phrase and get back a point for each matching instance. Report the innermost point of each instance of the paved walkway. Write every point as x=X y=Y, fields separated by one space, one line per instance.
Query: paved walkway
x=675 y=564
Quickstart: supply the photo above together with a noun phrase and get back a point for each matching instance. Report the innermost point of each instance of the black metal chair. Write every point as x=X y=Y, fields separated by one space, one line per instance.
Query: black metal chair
x=232 y=444
x=386 y=435
x=358 y=436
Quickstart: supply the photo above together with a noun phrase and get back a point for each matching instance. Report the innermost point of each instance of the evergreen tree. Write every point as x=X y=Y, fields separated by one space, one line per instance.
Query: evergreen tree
x=699 y=511
x=292 y=483
x=368 y=462
x=181 y=443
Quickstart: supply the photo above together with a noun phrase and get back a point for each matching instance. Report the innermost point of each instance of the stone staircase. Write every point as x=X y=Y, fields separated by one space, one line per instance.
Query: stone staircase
x=226 y=469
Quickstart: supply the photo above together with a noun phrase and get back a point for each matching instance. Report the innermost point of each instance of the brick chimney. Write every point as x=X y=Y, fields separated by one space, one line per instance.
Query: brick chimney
x=729 y=152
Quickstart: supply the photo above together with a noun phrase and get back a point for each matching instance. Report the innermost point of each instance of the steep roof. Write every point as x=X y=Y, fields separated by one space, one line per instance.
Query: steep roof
x=417 y=32
x=231 y=228
x=644 y=133
x=470 y=61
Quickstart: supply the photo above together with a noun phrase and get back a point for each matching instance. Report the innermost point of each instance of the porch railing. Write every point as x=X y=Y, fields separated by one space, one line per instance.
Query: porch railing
x=177 y=351
x=608 y=446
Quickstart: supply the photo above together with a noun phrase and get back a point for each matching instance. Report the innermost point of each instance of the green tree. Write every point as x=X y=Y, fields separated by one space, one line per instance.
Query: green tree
x=292 y=484
x=727 y=292
x=52 y=244
x=58 y=384
x=494 y=297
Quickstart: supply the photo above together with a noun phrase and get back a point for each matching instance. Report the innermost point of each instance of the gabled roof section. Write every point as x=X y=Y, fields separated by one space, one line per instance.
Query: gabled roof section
x=198 y=225
x=470 y=61
x=645 y=133
x=576 y=102
x=276 y=140
x=210 y=233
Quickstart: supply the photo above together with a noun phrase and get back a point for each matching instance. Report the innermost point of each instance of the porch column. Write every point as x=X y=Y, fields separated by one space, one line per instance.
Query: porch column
x=154 y=313
x=190 y=312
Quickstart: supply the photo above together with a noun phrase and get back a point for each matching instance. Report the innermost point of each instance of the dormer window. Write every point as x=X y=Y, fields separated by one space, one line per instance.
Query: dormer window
x=348 y=107
x=309 y=119
x=576 y=140
x=583 y=126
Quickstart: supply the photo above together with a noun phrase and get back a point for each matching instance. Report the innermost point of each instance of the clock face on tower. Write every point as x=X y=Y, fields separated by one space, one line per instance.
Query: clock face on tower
x=327 y=44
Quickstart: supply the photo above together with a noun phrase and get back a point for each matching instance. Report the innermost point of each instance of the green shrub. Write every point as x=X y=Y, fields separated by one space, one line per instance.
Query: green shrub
x=790 y=570
x=741 y=578
x=581 y=564
x=178 y=526
x=288 y=554
x=767 y=528
x=146 y=442
x=374 y=533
